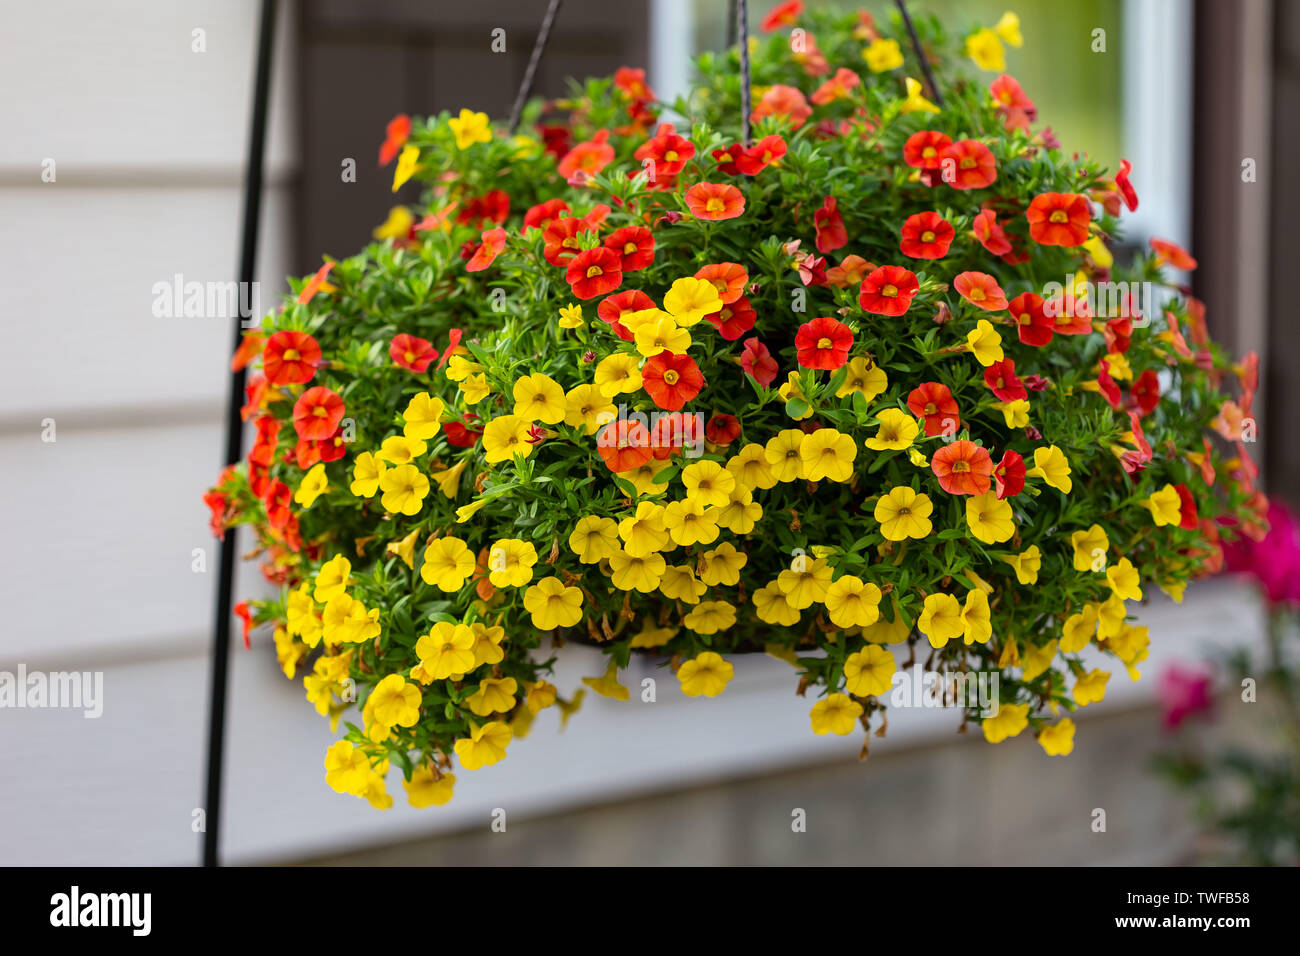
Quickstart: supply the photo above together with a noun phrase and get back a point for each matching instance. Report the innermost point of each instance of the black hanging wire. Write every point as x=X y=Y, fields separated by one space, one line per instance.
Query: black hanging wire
x=526 y=87
x=742 y=30
x=234 y=438
x=920 y=53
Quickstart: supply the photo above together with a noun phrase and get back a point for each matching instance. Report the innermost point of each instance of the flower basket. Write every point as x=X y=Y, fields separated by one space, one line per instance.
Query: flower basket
x=867 y=388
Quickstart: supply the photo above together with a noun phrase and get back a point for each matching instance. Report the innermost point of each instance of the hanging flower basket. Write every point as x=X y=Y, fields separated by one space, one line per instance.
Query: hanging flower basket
x=864 y=390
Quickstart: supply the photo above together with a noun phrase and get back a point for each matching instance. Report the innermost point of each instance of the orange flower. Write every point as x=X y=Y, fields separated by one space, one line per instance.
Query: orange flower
x=715 y=201
x=594 y=272
x=314 y=284
x=924 y=150
x=830 y=227
x=589 y=157
x=963 y=468
x=782 y=100
x=671 y=380
x=837 y=87
x=981 y=290
x=668 y=151
x=968 y=164
x=317 y=413
x=934 y=402
x=888 y=290
x=561 y=239
x=613 y=308
x=494 y=240
x=624 y=446
x=1032 y=324
x=541 y=215
x=851 y=271
x=290 y=358
x=782 y=15
x=634 y=245
x=1171 y=254
x=412 y=352
x=250 y=347
x=758 y=157
x=632 y=82
x=1059 y=219
x=398 y=132
x=729 y=278
x=990 y=235
x=926 y=235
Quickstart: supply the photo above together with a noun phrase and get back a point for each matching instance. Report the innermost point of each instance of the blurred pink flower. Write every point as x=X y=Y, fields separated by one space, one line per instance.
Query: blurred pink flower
x=1274 y=561
x=1184 y=691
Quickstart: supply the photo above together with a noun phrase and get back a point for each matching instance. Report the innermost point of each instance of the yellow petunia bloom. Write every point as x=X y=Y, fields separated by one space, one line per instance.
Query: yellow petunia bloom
x=883 y=55
x=705 y=675
x=772 y=607
x=460 y=368
x=404 y=490
x=644 y=531
x=396 y=226
x=791 y=390
x=475 y=388
x=313 y=485
x=571 y=317
x=594 y=539
x=904 y=513
x=429 y=788
x=1036 y=660
x=662 y=335
x=607 y=684
x=1090 y=549
x=408 y=164
x=1110 y=616
x=897 y=431
x=1015 y=412
x=805 y=582
x=470 y=128
x=494 y=696
x=851 y=602
x=985 y=343
x=366 y=471
x=645 y=478
x=869 y=672
x=783 y=453
x=741 y=513
x=976 y=620
x=1131 y=645
x=422 y=417
x=828 y=454
x=586 y=407
x=539 y=398
x=989 y=518
x=915 y=102
x=404 y=549
x=836 y=714
x=709 y=483
x=1058 y=740
x=1026 y=564
x=332 y=578
x=485 y=745
x=506 y=436
x=540 y=695
x=1009 y=721
x=394 y=702
x=633 y=573
x=654 y=637
x=617 y=374
x=552 y=604
x=722 y=565
x=345 y=620
x=1124 y=580
x=1091 y=687
x=750 y=467
x=448 y=479
x=1078 y=629
x=1008 y=30
x=941 y=619
x=1165 y=506
x=510 y=562
x=865 y=377
x=346 y=768
x=487 y=643
x=709 y=617
x=680 y=584
x=689 y=300
x=448 y=562
x=1053 y=467
x=401 y=450
x=985 y=49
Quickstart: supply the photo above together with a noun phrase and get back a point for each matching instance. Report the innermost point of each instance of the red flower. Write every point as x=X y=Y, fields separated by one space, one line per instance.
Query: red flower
x=634 y=245
x=669 y=433
x=758 y=363
x=411 y=352
x=1188 y=520
x=1032 y=324
x=722 y=430
x=556 y=139
x=268 y=432
x=242 y=612
x=632 y=82
x=1009 y=475
x=612 y=310
x=561 y=239
x=540 y=216
x=1001 y=378
x=1016 y=108
x=1170 y=253
x=934 y=402
x=671 y=380
x=981 y=290
x=836 y=87
x=494 y=240
x=734 y=319
x=888 y=291
x=317 y=413
x=729 y=278
x=830 y=227
x=968 y=164
x=1146 y=391
x=397 y=133
x=453 y=343
x=1106 y=385
x=276 y=500
x=1119 y=335
x=727 y=157
x=782 y=100
x=782 y=15
x=990 y=235
x=823 y=343
x=1125 y=187
x=924 y=150
x=715 y=201
x=250 y=347
x=307 y=453
x=460 y=434
x=667 y=151
x=624 y=445
x=290 y=358
x=762 y=154
x=493 y=207
x=1070 y=313
x=927 y=235
x=589 y=157
x=963 y=468
x=314 y=283
x=1059 y=219
x=594 y=272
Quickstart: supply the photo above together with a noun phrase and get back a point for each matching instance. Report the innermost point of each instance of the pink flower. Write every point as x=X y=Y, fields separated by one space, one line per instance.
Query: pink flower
x=1183 y=692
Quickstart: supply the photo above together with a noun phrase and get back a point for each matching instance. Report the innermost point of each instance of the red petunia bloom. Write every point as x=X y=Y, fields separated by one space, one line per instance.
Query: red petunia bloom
x=758 y=363
x=492 y=207
x=722 y=430
x=1126 y=189
x=671 y=380
x=1106 y=385
x=1189 y=520
x=634 y=245
x=317 y=413
x=624 y=445
x=727 y=157
x=632 y=82
x=1009 y=475
x=715 y=201
x=541 y=215
x=981 y=290
x=1172 y=254
x=729 y=278
x=561 y=239
x=762 y=154
x=1013 y=105
x=1001 y=378
x=837 y=87
x=927 y=235
x=396 y=133
x=242 y=612
x=412 y=352
x=612 y=309
x=290 y=358
x=1059 y=219
x=1070 y=313
x=1146 y=391
x=1033 y=325
x=888 y=291
x=667 y=151
x=784 y=101
x=823 y=343
x=589 y=157
x=556 y=140
x=782 y=15
x=924 y=150
x=830 y=227
x=276 y=499
x=934 y=402
x=460 y=434
x=734 y=319
x=250 y=347
x=268 y=433
x=259 y=480
x=314 y=283
x=991 y=235
x=968 y=164
x=494 y=241
x=670 y=433
x=963 y=468
x=594 y=272
x=1119 y=335
x=307 y=453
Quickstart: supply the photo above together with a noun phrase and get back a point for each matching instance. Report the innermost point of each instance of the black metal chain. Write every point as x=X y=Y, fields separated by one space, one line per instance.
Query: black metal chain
x=526 y=87
x=920 y=53
x=742 y=29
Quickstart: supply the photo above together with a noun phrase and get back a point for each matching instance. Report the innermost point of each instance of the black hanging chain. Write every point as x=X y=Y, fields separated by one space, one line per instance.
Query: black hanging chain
x=530 y=73
x=920 y=53
x=746 y=88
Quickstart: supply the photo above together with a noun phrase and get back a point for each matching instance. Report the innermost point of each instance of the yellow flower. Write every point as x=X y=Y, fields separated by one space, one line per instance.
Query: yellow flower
x=977 y=623
x=709 y=617
x=1165 y=505
x=709 y=483
x=1091 y=687
x=1053 y=467
x=741 y=513
x=903 y=513
x=1098 y=253
x=400 y=450
x=552 y=604
x=897 y=431
x=1008 y=29
x=396 y=226
x=539 y=398
x=428 y=788
x=510 y=562
x=423 y=417
x=345 y=620
x=916 y=458
x=446 y=651
x=663 y=335
x=1090 y=549
x=447 y=563
x=465 y=512
x=288 y=652
x=851 y=602
x=485 y=745
x=791 y=390
x=332 y=578
x=705 y=675
x=594 y=539
x=1057 y=740
x=1026 y=564
x=804 y=582
x=865 y=376
x=645 y=478
x=365 y=475
x=404 y=549
x=405 y=488
x=313 y=485
x=617 y=374
x=632 y=321
x=915 y=102
x=475 y=388
x=680 y=584
x=1110 y=616
x=408 y=163
x=487 y=643
x=722 y=565
x=750 y=467
x=990 y=518
x=984 y=343
x=571 y=317
x=1130 y=646
x=460 y=368
x=1118 y=366
x=448 y=479
x=644 y=531
x=688 y=522
x=828 y=454
x=300 y=608
x=1124 y=580
x=1037 y=659
x=607 y=684
x=506 y=436
x=689 y=300
x=346 y=768
x=630 y=573
x=1078 y=629
x=394 y=702
x=883 y=55
x=494 y=696
x=772 y=607
x=1008 y=722
x=585 y=406
x=1014 y=412
x=654 y=636
x=887 y=632
x=835 y=714
x=984 y=47
x=540 y=696
x=869 y=672
x=941 y=619
x=470 y=128
x=784 y=456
